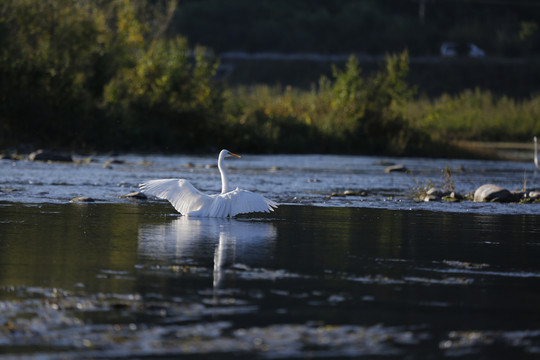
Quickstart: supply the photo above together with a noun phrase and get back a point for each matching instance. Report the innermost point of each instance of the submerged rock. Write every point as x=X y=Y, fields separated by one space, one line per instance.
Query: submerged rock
x=83 y=161
x=135 y=195
x=348 y=193
x=493 y=193
x=8 y=190
x=7 y=157
x=530 y=197
x=43 y=155
x=452 y=197
x=82 y=199
x=396 y=168
x=115 y=162
x=354 y=193
x=110 y=162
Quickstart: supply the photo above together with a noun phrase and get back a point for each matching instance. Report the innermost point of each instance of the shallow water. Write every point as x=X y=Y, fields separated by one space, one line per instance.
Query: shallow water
x=374 y=276
x=298 y=179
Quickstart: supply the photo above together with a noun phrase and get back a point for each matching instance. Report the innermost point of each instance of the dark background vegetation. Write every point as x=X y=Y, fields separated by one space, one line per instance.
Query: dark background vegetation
x=95 y=75
x=506 y=28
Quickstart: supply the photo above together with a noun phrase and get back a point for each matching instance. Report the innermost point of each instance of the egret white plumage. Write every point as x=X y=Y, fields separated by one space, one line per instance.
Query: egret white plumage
x=191 y=202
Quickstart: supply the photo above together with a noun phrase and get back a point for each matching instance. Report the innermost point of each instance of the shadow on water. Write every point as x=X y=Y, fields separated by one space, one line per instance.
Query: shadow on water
x=134 y=280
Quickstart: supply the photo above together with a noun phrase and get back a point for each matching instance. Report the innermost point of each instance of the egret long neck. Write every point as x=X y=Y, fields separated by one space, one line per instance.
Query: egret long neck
x=224 y=182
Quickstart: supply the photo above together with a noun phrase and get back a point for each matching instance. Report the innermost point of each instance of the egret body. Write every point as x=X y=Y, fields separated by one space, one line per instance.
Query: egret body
x=191 y=202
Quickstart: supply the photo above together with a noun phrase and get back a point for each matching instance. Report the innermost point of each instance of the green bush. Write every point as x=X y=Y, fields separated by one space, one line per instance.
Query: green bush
x=370 y=110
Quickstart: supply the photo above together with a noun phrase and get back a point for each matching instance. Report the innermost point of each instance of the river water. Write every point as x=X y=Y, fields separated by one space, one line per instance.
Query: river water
x=372 y=276
x=287 y=179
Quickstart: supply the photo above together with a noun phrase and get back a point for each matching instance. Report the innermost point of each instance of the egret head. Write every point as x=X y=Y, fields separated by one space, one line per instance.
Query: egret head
x=227 y=153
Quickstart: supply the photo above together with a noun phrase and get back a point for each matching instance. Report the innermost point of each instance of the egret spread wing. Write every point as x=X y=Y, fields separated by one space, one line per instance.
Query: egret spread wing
x=180 y=193
x=189 y=201
x=243 y=201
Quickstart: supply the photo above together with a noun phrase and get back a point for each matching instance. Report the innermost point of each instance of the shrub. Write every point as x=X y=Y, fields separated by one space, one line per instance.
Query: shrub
x=348 y=113
x=167 y=100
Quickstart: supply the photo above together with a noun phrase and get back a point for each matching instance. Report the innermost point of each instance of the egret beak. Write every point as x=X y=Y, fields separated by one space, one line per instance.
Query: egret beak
x=233 y=154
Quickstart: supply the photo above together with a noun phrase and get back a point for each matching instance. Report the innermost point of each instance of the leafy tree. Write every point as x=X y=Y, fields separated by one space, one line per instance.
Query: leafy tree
x=48 y=67
x=167 y=98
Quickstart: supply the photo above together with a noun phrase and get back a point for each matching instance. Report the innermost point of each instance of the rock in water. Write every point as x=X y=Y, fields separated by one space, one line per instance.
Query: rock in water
x=535 y=195
x=490 y=192
x=433 y=194
x=43 y=155
x=135 y=195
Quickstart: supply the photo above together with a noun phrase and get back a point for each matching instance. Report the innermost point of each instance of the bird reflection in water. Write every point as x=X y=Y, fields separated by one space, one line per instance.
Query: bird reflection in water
x=194 y=241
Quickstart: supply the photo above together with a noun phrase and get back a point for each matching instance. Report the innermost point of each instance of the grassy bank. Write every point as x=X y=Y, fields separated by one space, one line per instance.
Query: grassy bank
x=347 y=113
x=478 y=116
x=473 y=123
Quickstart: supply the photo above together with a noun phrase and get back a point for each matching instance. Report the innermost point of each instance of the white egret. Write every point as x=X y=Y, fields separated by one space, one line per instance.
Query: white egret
x=536 y=153
x=191 y=202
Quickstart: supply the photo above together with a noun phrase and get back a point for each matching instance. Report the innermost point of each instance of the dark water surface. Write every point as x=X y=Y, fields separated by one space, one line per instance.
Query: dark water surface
x=132 y=280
